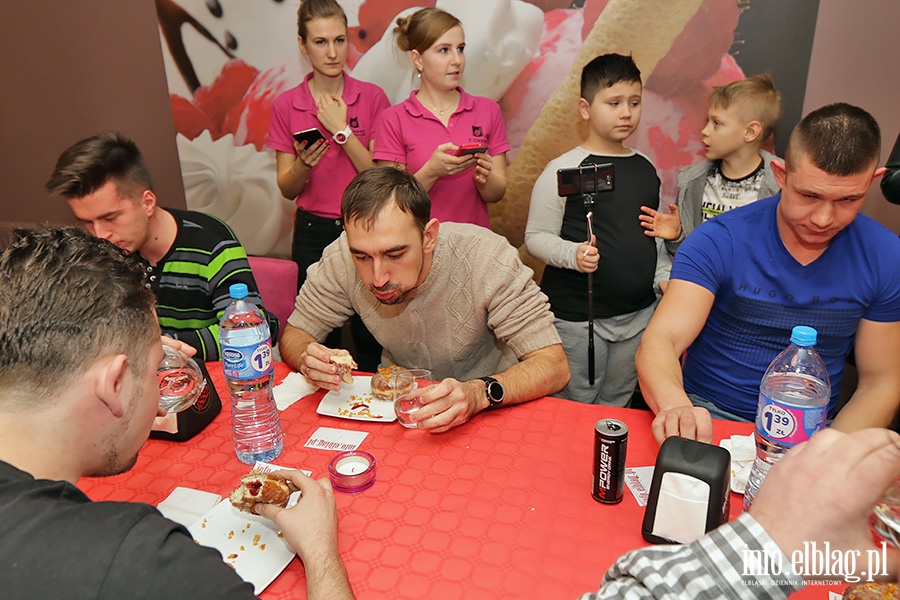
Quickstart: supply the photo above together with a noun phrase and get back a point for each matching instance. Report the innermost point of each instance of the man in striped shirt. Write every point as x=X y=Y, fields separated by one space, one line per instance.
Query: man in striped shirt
x=810 y=520
x=191 y=258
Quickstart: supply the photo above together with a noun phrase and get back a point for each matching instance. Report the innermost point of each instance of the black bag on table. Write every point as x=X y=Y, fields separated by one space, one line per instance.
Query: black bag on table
x=193 y=420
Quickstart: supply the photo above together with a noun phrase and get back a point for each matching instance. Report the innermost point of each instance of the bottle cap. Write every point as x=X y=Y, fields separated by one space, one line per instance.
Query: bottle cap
x=804 y=336
x=238 y=290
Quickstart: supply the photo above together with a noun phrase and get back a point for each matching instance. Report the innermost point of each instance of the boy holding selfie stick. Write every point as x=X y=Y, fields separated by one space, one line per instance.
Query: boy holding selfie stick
x=625 y=282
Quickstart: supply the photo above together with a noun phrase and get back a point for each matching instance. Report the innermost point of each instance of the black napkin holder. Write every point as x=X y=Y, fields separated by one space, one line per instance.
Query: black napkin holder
x=704 y=462
x=193 y=420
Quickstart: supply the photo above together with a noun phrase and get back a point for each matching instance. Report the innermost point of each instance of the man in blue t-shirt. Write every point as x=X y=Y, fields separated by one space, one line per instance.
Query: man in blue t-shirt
x=741 y=281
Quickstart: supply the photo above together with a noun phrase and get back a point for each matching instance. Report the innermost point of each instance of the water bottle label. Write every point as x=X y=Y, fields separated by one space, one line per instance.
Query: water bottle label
x=247 y=362
x=788 y=425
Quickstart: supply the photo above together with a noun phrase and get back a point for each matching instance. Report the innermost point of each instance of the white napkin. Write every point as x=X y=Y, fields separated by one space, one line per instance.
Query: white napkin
x=291 y=389
x=168 y=423
x=743 y=451
x=681 y=508
x=186 y=505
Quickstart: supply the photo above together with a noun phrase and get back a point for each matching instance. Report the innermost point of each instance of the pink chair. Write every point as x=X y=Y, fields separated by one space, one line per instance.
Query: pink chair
x=277 y=282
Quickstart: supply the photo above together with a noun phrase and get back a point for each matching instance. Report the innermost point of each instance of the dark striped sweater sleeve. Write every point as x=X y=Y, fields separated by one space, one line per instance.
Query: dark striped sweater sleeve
x=192 y=293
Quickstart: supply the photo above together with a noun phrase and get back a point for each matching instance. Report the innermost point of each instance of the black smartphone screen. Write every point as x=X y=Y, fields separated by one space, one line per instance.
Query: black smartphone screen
x=587 y=179
x=310 y=136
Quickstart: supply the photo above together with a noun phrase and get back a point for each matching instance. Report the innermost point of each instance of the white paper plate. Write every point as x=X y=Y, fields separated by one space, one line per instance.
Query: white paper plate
x=355 y=401
x=249 y=543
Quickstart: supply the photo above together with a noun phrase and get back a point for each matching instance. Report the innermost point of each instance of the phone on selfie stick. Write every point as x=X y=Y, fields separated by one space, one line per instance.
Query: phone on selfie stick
x=587 y=180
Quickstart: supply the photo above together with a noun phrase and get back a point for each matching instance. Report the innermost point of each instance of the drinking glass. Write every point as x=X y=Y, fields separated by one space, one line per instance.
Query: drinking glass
x=408 y=404
x=885 y=519
x=180 y=381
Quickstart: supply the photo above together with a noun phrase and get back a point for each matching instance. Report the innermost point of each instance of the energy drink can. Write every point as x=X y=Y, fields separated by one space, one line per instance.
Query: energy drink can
x=610 y=443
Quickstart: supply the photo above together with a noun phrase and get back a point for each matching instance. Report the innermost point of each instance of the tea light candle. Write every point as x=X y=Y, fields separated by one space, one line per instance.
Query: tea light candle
x=352 y=472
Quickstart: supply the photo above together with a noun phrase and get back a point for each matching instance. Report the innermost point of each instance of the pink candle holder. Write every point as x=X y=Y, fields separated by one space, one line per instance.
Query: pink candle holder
x=352 y=472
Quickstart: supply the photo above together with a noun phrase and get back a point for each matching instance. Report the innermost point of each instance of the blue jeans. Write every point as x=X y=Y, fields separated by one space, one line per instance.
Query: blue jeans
x=714 y=411
x=718 y=413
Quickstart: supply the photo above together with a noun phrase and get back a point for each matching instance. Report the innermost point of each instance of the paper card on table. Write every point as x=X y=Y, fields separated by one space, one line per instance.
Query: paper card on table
x=638 y=480
x=341 y=440
x=266 y=467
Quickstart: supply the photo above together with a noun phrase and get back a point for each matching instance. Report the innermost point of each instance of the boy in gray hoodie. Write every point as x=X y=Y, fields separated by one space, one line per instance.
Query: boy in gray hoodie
x=742 y=115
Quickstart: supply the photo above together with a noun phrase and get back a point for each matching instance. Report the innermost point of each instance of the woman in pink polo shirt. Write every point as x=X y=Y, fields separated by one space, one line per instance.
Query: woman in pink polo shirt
x=343 y=110
x=423 y=134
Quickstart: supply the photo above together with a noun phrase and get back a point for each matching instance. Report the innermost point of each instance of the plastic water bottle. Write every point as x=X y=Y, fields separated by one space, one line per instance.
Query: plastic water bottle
x=247 y=362
x=793 y=404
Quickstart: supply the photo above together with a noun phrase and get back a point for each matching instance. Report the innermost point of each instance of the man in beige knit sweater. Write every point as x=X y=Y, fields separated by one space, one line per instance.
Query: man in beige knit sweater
x=450 y=297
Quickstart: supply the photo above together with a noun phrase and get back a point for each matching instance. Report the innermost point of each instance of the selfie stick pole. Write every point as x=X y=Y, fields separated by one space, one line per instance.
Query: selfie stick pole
x=588 y=204
x=590 y=326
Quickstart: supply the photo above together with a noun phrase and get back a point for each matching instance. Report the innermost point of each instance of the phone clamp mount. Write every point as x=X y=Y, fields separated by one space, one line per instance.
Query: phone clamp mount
x=585 y=180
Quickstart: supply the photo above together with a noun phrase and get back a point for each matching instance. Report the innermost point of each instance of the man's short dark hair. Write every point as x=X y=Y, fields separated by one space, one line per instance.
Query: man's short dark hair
x=67 y=298
x=89 y=164
x=606 y=71
x=373 y=189
x=839 y=139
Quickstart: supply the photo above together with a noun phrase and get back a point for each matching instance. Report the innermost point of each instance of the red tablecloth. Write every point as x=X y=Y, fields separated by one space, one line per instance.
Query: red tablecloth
x=497 y=508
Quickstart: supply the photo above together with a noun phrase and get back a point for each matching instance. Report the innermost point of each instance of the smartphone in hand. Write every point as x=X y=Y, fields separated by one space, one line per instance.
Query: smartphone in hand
x=473 y=148
x=310 y=136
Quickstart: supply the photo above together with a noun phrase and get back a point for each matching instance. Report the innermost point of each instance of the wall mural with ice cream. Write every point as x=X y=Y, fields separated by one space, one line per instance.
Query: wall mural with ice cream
x=226 y=61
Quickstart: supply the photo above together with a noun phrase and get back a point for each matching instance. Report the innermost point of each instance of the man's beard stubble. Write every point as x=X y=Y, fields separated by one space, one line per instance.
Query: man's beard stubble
x=113 y=463
x=398 y=299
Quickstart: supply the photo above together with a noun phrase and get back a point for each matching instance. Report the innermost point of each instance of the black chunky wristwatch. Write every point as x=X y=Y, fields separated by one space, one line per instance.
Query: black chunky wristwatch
x=494 y=392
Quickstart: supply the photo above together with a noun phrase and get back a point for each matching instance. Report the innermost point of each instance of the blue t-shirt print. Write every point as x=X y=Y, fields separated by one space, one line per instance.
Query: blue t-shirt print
x=762 y=292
